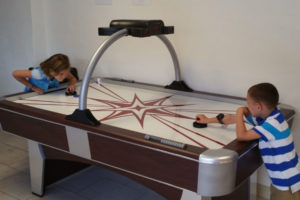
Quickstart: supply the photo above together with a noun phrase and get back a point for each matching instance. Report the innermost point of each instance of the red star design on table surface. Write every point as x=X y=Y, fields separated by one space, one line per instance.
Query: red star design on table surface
x=139 y=108
x=154 y=108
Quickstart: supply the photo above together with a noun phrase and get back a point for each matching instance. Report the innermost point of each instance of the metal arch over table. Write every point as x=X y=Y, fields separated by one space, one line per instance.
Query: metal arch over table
x=119 y=29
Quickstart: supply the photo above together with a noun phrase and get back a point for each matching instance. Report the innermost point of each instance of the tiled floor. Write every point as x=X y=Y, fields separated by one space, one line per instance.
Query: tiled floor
x=91 y=184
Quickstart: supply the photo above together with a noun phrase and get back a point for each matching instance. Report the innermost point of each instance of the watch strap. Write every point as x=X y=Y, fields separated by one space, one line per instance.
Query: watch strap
x=220 y=118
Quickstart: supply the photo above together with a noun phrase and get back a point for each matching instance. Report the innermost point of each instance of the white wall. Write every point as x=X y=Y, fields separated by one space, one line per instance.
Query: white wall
x=15 y=42
x=223 y=46
x=39 y=33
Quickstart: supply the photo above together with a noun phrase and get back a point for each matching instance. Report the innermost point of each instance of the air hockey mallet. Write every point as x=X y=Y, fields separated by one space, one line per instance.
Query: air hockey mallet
x=199 y=125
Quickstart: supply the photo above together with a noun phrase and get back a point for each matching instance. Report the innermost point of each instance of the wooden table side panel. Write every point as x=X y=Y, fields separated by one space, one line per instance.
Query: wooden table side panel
x=34 y=129
x=158 y=165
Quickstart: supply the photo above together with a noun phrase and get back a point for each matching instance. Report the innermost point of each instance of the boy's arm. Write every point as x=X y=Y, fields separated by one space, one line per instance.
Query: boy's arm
x=228 y=119
x=71 y=84
x=22 y=75
x=241 y=132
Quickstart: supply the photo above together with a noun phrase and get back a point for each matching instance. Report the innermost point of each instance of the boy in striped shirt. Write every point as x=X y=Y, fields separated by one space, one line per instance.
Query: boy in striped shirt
x=276 y=143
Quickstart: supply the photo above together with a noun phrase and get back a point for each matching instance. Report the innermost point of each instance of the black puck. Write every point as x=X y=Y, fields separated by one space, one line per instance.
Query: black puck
x=199 y=125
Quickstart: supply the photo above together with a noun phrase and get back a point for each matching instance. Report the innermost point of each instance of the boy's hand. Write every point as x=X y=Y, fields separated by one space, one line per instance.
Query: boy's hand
x=37 y=90
x=241 y=132
x=243 y=111
x=71 y=88
x=202 y=119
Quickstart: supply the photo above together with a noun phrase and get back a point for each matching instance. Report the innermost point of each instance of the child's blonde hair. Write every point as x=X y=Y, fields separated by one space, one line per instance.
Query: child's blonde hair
x=55 y=64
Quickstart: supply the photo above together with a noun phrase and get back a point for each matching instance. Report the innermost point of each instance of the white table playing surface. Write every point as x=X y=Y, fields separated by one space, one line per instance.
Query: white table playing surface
x=156 y=113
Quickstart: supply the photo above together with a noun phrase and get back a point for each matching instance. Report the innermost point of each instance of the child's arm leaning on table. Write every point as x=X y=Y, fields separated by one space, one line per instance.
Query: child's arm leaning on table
x=22 y=76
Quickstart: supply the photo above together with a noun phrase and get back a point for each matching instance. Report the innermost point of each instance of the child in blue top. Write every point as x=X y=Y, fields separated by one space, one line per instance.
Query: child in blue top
x=276 y=143
x=48 y=75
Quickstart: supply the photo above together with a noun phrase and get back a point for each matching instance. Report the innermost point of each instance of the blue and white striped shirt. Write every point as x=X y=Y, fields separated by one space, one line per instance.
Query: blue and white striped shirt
x=277 y=149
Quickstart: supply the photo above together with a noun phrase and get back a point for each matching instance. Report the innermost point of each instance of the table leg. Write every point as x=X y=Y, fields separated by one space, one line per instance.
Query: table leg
x=44 y=171
x=36 y=166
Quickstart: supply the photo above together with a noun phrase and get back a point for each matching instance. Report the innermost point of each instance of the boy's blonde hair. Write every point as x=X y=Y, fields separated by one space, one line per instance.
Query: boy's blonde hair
x=55 y=64
x=266 y=93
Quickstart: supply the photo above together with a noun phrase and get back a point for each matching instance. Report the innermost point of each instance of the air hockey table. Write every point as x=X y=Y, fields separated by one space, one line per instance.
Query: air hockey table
x=142 y=131
x=146 y=133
